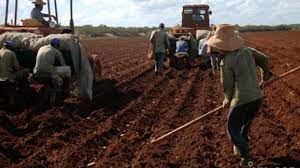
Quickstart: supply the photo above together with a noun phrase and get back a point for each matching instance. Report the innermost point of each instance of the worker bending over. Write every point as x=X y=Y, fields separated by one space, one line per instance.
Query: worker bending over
x=182 y=46
x=11 y=71
x=241 y=89
x=45 y=63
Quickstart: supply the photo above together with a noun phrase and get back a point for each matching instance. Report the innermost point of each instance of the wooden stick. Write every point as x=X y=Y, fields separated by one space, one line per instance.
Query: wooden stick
x=185 y=125
x=282 y=75
x=217 y=109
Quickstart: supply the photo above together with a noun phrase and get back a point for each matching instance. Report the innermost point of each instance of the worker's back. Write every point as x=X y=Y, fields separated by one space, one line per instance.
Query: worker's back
x=45 y=59
x=238 y=72
x=8 y=64
x=161 y=41
x=182 y=46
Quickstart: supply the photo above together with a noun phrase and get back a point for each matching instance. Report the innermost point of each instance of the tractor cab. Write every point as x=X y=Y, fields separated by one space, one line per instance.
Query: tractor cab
x=34 y=26
x=194 y=17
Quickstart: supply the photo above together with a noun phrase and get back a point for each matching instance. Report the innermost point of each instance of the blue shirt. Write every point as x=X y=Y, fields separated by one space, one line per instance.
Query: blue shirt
x=181 y=46
x=38 y=15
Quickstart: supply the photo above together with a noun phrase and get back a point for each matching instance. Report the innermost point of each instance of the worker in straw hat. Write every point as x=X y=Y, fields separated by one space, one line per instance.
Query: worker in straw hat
x=37 y=14
x=239 y=80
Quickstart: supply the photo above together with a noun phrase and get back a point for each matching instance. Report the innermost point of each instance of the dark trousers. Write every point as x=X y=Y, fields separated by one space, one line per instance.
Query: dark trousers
x=238 y=125
x=159 y=62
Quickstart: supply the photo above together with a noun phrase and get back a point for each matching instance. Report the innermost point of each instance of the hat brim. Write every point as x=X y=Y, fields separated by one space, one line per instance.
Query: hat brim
x=43 y=3
x=233 y=44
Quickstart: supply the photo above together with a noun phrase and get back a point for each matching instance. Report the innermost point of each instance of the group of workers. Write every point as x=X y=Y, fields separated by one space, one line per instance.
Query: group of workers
x=237 y=64
x=47 y=56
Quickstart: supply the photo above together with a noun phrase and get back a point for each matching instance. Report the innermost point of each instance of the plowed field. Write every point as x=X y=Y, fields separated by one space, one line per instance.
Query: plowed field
x=133 y=106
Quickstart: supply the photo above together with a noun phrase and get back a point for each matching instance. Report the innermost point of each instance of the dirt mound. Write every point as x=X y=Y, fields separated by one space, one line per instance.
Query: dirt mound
x=132 y=107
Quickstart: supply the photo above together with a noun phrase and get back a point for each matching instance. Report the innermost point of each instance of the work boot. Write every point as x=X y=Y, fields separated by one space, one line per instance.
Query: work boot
x=246 y=162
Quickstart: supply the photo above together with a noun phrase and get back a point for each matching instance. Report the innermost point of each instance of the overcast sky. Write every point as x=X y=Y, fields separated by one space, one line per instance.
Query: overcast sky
x=137 y=13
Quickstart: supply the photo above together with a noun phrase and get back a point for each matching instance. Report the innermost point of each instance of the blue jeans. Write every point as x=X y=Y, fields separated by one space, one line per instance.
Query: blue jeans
x=159 y=62
x=238 y=125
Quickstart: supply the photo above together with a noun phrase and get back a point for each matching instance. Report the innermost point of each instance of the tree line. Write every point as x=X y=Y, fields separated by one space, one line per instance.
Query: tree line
x=103 y=30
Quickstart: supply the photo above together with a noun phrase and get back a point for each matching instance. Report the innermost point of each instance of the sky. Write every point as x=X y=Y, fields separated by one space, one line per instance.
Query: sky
x=140 y=13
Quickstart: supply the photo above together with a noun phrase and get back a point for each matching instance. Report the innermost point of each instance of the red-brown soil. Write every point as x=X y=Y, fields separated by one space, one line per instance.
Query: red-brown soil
x=132 y=107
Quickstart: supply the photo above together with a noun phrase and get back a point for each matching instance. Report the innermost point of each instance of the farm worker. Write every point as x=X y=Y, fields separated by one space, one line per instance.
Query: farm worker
x=36 y=13
x=45 y=60
x=181 y=45
x=9 y=65
x=202 y=47
x=8 y=62
x=160 y=41
x=193 y=42
x=213 y=55
x=11 y=71
x=240 y=87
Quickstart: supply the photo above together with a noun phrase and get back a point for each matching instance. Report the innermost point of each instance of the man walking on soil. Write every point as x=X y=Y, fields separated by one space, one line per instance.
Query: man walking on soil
x=160 y=41
x=241 y=89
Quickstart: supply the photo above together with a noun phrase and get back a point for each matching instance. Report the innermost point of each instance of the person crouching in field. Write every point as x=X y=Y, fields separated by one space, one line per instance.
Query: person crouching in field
x=240 y=85
x=161 y=44
x=45 y=64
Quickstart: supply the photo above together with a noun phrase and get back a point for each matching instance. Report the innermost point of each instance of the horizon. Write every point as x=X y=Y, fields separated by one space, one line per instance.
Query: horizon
x=149 y=13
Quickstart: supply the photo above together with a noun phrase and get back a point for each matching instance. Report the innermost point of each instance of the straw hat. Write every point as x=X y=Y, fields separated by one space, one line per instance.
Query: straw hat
x=39 y=2
x=225 y=38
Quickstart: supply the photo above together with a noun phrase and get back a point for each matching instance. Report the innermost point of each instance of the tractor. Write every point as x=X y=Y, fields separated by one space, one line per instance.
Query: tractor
x=28 y=38
x=33 y=26
x=195 y=26
x=195 y=19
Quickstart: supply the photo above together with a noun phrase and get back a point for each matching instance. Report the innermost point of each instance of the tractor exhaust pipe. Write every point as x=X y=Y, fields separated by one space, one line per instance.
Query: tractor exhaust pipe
x=6 y=13
x=56 y=13
x=71 y=20
x=16 y=12
x=49 y=10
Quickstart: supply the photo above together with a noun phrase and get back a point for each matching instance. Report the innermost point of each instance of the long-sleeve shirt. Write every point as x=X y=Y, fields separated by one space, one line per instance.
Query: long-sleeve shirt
x=181 y=46
x=45 y=59
x=238 y=75
x=8 y=64
x=160 y=40
x=38 y=15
